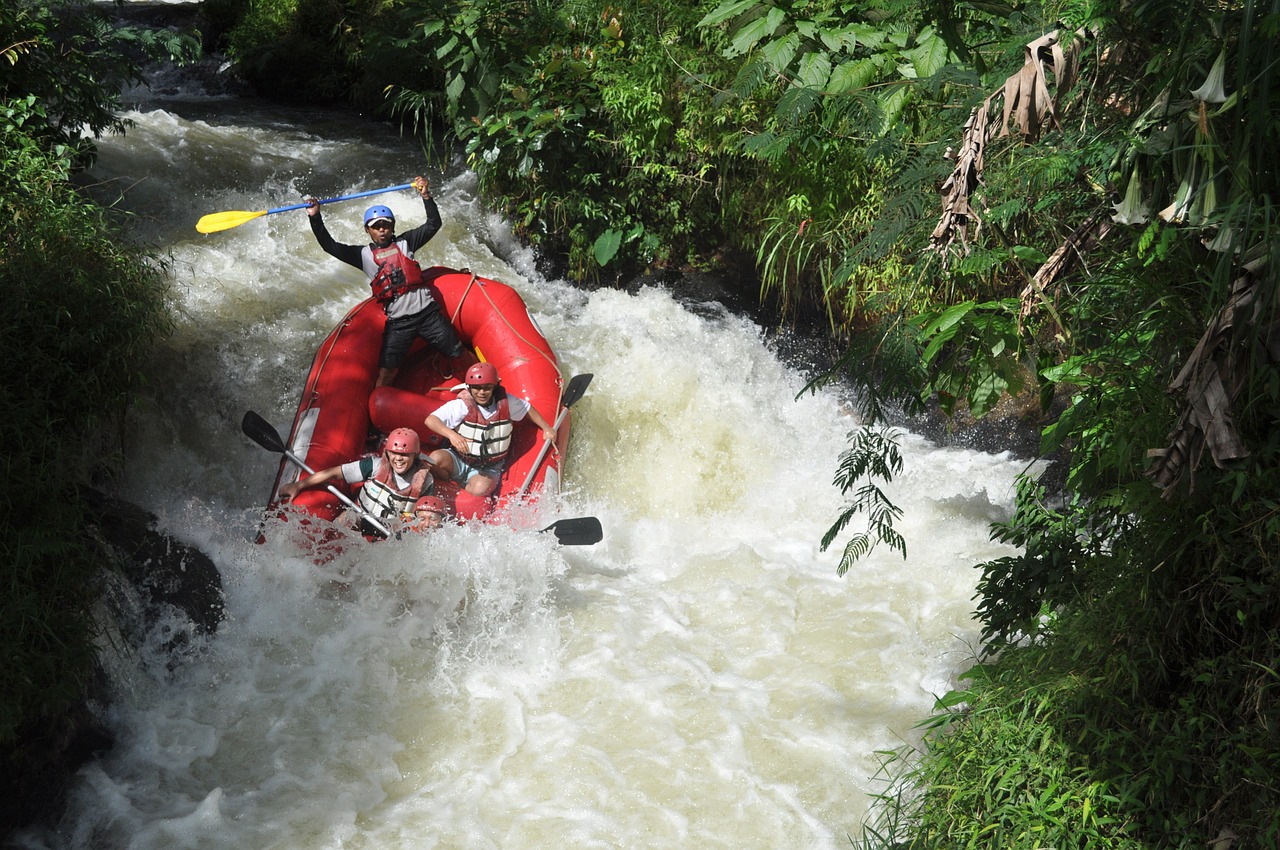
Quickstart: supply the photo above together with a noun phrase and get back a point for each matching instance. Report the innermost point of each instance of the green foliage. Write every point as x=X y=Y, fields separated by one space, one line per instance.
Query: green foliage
x=883 y=364
x=972 y=351
x=67 y=64
x=1004 y=771
x=1128 y=629
x=295 y=49
x=872 y=455
x=862 y=91
x=817 y=55
x=1141 y=663
x=81 y=312
x=1019 y=594
x=596 y=130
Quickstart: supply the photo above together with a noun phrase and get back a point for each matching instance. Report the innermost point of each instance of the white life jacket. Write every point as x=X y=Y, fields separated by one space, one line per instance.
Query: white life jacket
x=379 y=496
x=488 y=440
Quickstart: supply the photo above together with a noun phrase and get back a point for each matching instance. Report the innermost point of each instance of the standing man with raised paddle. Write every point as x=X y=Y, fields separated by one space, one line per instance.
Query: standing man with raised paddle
x=398 y=282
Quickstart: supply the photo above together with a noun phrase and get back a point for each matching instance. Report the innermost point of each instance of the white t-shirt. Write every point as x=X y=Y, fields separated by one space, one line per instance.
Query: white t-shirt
x=352 y=475
x=451 y=413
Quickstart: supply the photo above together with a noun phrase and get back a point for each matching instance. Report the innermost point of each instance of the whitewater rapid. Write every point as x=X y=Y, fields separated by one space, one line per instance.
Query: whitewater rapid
x=700 y=678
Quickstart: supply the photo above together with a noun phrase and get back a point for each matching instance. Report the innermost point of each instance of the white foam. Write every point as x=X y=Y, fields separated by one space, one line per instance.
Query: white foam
x=701 y=678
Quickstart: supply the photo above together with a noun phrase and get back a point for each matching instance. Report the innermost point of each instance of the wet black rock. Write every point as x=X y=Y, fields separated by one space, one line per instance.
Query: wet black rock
x=165 y=580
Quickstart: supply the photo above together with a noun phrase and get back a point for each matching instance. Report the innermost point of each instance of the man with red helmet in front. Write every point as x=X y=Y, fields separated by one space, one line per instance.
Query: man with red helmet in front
x=393 y=481
x=478 y=430
x=429 y=513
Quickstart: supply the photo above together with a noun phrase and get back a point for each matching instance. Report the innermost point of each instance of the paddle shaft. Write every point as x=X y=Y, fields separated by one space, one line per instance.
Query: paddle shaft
x=343 y=198
x=343 y=497
x=261 y=432
x=215 y=222
x=542 y=453
x=577 y=387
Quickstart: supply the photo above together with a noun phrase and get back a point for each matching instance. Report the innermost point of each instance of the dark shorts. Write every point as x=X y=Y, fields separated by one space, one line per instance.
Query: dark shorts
x=430 y=324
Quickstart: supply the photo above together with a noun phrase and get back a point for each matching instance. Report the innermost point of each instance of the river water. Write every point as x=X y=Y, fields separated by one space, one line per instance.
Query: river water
x=701 y=678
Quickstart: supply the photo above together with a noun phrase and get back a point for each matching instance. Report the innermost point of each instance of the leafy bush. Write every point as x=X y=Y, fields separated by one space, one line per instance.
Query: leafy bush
x=68 y=64
x=597 y=131
x=295 y=49
x=1131 y=640
x=81 y=313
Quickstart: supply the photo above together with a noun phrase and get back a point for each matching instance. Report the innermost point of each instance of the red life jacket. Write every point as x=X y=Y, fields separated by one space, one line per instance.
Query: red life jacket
x=398 y=273
x=488 y=440
x=381 y=498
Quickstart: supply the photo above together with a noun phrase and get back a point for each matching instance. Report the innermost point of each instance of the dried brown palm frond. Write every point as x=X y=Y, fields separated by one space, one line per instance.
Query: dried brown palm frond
x=1028 y=106
x=960 y=185
x=1027 y=99
x=1245 y=330
x=1072 y=251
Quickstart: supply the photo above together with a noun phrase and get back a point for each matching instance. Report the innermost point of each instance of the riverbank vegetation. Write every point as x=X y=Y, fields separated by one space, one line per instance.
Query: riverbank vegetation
x=1069 y=202
x=82 y=309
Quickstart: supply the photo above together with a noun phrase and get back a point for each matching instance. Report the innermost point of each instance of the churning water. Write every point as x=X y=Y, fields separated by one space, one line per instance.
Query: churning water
x=701 y=678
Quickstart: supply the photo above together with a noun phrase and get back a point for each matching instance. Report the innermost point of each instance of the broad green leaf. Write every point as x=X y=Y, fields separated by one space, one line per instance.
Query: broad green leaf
x=747 y=37
x=725 y=11
x=444 y=49
x=869 y=36
x=949 y=317
x=929 y=55
x=1031 y=255
x=939 y=340
x=892 y=104
x=457 y=83
x=985 y=392
x=851 y=76
x=606 y=246
x=781 y=51
x=848 y=37
x=1070 y=371
x=815 y=69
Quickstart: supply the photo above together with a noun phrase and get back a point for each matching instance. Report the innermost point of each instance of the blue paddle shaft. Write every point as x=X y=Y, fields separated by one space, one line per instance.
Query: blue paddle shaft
x=345 y=198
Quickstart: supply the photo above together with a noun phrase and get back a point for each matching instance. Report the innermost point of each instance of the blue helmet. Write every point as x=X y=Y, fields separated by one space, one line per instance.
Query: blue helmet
x=377 y=212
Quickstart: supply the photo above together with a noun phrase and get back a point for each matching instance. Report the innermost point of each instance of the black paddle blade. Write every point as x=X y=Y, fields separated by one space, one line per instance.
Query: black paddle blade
x=575 y=389
x=582 y=531
x=261 y=432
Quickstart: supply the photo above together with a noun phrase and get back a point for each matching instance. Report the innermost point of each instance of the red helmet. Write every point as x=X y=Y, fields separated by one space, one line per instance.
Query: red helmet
x=435 y=504
x=482 y=373
x=404 y=441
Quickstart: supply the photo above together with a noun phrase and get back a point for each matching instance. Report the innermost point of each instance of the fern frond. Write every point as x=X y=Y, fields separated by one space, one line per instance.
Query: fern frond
x=874 y=454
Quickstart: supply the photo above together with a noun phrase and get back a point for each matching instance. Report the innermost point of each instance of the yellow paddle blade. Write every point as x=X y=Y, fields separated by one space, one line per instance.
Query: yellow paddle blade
x=214 y=222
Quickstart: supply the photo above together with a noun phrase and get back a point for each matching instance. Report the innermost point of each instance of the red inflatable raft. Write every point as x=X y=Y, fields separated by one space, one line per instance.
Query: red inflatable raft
x=341 y=416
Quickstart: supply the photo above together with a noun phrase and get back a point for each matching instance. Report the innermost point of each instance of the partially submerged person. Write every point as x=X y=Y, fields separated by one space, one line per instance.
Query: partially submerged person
x=429 y=513
x=478 y=427
x=393 y=482
x=398 y=282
